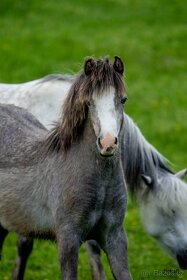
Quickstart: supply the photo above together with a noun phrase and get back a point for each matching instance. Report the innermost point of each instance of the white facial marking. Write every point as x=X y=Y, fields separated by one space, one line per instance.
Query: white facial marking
x=106 y=112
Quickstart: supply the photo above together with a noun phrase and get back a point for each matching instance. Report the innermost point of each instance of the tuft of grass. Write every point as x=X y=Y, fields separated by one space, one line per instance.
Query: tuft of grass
x=42 y=37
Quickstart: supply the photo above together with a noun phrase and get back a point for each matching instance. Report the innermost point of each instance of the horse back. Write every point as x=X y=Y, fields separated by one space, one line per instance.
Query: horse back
x=20 y=132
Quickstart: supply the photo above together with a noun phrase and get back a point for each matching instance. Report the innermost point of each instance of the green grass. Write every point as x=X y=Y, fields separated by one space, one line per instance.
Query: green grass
x=41 y=37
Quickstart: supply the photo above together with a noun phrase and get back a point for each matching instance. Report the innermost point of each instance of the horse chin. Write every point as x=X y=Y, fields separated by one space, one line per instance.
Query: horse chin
x=106 y=155
x=182 y=262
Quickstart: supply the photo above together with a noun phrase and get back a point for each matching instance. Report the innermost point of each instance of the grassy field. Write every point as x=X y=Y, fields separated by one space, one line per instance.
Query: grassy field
x=41 y=37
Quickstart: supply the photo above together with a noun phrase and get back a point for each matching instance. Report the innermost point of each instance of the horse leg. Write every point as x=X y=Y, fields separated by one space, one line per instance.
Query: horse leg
x=115 y=247
x=3 y=234
x=96 y=265
x=68 y=248
x=24 y=248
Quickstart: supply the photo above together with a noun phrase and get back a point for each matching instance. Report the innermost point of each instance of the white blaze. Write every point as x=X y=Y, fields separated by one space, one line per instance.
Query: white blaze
x=106 y=112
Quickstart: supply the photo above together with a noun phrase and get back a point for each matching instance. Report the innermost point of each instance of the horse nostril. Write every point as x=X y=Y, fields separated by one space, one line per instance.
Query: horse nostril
x=116 y=141
x=99 y=142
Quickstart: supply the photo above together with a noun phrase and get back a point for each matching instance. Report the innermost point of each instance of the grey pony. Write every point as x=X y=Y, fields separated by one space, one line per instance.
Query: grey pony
x=71 y=196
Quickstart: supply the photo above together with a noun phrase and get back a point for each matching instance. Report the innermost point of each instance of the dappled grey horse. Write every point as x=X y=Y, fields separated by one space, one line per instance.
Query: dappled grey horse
x=69 y=184
x=46 y=95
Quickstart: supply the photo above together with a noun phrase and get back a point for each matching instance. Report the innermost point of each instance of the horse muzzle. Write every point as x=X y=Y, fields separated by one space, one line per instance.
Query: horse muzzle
x=107 y=144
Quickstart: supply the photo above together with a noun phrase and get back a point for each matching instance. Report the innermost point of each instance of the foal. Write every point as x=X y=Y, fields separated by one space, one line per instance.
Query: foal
x=69 y=185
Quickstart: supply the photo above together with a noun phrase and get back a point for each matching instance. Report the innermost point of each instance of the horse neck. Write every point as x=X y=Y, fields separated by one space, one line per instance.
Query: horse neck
x=80 y=163
x=139 y=157
x=83 y=156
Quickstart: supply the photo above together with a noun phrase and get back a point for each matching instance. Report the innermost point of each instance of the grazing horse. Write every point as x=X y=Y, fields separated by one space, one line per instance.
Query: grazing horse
x=68 y=184
x=164 y=212
x=161 y=194
x=39 y=97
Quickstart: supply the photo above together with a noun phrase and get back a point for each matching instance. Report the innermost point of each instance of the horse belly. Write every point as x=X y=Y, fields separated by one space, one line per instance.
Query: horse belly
x=43 y=220
x=34 y=221
x=20 y=210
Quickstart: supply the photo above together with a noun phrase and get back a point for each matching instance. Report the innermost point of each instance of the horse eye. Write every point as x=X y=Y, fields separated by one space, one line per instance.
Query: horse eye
x=124 y=99
x=88 y=103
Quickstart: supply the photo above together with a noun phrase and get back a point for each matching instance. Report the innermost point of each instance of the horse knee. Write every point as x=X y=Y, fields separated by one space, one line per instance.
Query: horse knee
x=25 y=246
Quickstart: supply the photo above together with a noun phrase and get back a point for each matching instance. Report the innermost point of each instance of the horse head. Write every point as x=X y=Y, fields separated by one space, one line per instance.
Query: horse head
x=97 y=94
x=164 y=213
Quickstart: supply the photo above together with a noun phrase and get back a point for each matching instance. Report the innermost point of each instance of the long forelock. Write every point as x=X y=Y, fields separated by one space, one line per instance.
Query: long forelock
x=101 y=79
x=106 y=77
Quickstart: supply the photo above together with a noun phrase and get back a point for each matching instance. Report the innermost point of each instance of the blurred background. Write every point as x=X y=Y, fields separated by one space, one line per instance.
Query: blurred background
x=42 y=37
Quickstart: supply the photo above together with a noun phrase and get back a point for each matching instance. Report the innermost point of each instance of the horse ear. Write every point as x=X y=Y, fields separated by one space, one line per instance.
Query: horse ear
x=118 y=65
x=181 y=174
x=147 y=180
x=89 y=66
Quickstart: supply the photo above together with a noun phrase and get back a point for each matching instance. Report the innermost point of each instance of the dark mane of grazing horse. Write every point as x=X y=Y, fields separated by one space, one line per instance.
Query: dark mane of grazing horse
x=140 y=158
x=98 y=76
